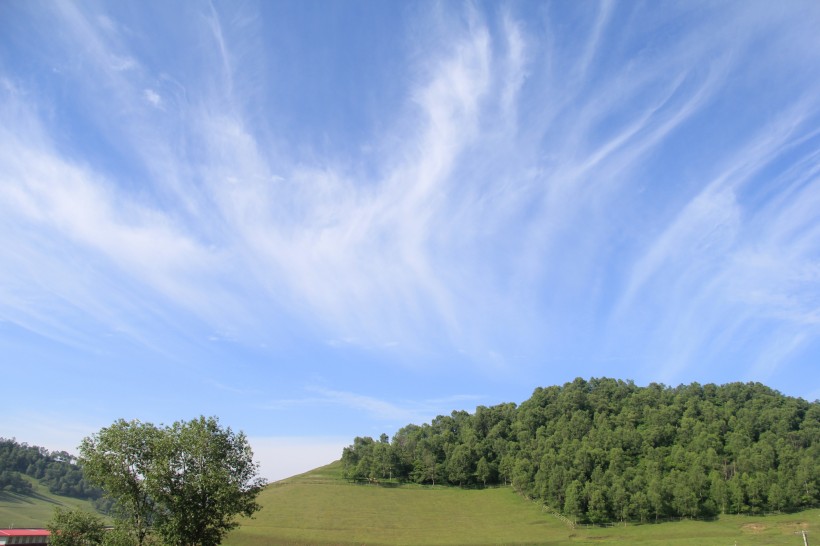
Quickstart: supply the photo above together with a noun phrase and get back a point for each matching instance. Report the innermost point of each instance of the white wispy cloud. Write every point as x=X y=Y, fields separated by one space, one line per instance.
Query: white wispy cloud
x=728 y=268
x=152 y=97
x=516 y=198
x=396 y=412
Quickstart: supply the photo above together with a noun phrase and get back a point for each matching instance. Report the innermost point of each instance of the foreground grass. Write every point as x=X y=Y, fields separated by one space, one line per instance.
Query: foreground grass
x=35 y=510
x=319 y=508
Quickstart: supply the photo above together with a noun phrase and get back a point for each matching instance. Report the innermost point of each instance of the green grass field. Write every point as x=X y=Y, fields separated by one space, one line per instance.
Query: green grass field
x=320 y=508
x=20 y=511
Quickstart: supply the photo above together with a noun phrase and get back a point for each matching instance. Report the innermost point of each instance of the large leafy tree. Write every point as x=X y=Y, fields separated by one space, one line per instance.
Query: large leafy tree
x=187 y=482
x=203 y=478
x=120 y=459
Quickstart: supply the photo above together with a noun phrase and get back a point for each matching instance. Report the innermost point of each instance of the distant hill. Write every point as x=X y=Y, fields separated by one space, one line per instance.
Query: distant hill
x=36 y=507
x=607 y=450
x=56 y=470
x=33 y=480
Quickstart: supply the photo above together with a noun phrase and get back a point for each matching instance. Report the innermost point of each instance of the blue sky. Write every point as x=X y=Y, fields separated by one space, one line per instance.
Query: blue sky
x=323 y=219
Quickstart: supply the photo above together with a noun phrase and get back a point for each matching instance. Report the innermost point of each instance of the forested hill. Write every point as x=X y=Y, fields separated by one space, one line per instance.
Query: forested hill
x=605 y=450
x=57 y=470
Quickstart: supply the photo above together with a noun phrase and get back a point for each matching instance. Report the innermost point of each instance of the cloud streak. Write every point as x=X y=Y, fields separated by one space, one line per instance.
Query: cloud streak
x=545 y=189
x=396 y=413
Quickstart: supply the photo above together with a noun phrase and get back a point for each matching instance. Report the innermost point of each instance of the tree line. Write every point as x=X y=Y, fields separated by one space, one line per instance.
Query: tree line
x=57 y=470
x=607 y=450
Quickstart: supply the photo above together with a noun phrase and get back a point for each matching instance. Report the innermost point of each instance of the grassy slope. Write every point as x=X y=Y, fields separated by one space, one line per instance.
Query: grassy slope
x=21 y=511
x=320 y=508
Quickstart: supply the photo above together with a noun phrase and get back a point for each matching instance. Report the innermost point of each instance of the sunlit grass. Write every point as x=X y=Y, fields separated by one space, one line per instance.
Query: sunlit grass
x=321 y=508
x=34 y=510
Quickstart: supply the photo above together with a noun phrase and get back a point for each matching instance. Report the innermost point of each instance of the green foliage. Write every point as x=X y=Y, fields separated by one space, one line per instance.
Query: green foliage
x=483 y=471
x=607 y=450
x=120 y=459
x=186 y=482
x=71 y=527
x=57 y=470
x=120 y=535
x=202 y=477
x=14 y=482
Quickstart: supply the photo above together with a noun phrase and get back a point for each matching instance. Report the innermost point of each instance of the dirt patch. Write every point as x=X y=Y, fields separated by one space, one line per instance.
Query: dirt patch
x=754 y=527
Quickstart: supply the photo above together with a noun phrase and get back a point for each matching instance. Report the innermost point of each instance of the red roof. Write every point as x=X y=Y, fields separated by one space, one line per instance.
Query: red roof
x=24 y=533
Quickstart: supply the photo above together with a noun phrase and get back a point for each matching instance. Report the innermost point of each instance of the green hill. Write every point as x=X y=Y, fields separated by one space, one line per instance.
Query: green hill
x=35 y=508
x=321 y=507
x=607 y=450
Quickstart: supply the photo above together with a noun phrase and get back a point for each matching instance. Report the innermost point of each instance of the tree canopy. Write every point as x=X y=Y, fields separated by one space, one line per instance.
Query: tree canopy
x=187 y=482
x=75 y=528
x=205 y=476
x=606 y=450
x=57 y=470
x=120 y=459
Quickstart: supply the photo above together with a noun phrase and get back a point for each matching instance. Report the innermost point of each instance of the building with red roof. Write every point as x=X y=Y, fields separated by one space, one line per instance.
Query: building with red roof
x=9 y=537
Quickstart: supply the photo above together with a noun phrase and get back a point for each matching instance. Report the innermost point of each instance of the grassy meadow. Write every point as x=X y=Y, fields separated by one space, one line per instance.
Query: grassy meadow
x=35 y=510
x=320 y=508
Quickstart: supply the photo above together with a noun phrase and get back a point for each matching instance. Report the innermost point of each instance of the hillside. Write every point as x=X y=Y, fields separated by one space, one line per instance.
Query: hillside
x=35 y=508
x=606 y=450
x=33 y=480
x=322 y=508
x=56 y=470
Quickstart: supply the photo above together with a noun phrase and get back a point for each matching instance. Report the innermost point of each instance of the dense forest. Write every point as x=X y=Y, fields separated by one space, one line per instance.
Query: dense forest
x=57 y=470
x=608 y=450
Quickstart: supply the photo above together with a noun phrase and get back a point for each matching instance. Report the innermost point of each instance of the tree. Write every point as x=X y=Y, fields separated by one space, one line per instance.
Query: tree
x=574 y=497
x=656 y=493
x=383 y=458
x=458 y=465
x=119 y=459
x=619 y=497
x=202 y=478
x=737 y=495
x=358 y=459
x=640 y=506
x=188 y=480
x=75 y=528
x=684 y=501
x=14 y=482
x=718 y=491
x=483 y=470
x=506 y=467
x=596 y=502
x=425 y=464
